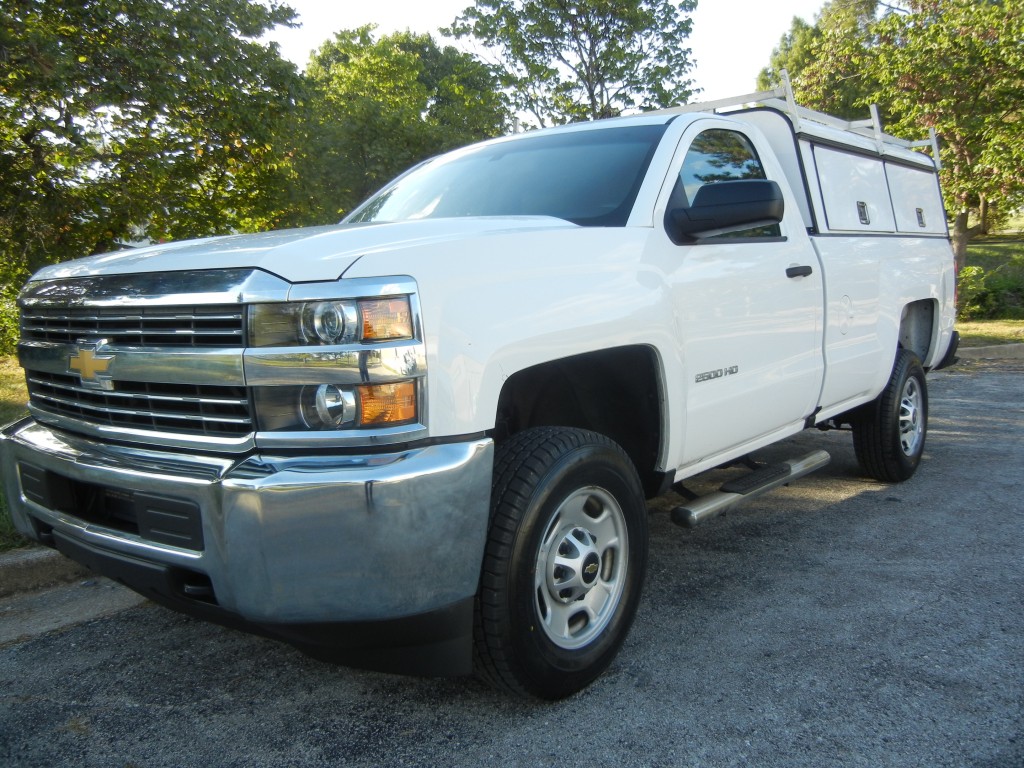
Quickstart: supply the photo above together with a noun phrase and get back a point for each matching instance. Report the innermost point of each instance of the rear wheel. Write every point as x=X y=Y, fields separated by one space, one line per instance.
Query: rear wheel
x=564 y=562
x=889 y=432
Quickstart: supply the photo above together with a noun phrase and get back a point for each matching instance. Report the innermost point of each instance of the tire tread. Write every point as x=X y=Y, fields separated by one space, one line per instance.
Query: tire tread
x=520 y=464
x=873 y=425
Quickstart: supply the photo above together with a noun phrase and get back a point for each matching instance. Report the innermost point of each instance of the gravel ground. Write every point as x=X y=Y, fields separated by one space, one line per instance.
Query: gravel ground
x=837 y=622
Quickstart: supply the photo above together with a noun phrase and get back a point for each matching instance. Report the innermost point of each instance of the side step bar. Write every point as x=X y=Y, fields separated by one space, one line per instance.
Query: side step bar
x=745 y=488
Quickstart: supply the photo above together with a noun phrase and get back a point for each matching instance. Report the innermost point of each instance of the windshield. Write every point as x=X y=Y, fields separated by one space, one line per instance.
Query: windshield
x=587 y=177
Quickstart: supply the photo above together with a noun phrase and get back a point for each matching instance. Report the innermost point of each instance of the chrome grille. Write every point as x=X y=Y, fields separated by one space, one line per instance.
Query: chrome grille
x=215 y=411
x=203 y=326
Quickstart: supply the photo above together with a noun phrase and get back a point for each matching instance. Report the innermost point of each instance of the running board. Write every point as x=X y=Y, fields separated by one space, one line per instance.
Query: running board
x=747 y=487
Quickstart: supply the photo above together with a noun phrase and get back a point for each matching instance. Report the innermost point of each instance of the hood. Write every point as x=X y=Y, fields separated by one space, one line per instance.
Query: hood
x=297 y=255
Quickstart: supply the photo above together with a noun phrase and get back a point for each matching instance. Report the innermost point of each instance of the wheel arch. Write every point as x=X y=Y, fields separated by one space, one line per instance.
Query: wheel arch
x=919 y=328
x=615 y=392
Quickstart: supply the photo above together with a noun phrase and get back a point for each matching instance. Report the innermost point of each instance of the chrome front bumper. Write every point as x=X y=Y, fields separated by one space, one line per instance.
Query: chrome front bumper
x=271 y=541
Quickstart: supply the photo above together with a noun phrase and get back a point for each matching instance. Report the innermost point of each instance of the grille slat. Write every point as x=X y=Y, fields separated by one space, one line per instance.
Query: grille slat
x=214 y=411
x=109 y=413
x=206 y=410
x=77 y=332
x=113 y=411
x=75 y=391
x=203 y=326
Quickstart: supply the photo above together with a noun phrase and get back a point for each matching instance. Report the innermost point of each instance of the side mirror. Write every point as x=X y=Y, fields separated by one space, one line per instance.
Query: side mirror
x=727 y=206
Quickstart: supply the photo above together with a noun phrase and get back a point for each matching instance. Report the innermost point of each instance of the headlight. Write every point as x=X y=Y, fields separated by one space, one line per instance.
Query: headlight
x=330 y=323
x=327 y=407
x=331 y=407
x=325 y=365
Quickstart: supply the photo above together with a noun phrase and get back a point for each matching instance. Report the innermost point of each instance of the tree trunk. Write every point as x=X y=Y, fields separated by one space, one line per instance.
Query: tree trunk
x=984 y=215
x=961 y=235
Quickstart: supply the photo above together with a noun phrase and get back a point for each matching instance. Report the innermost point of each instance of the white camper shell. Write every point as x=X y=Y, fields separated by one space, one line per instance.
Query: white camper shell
x=855 y=177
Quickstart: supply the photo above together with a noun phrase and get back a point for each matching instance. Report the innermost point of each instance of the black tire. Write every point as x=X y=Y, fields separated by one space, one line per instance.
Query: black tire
x=564 y=563
x=889 y=432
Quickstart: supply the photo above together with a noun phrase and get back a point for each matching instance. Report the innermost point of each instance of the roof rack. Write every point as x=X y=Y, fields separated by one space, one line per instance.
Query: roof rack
x=782 y=99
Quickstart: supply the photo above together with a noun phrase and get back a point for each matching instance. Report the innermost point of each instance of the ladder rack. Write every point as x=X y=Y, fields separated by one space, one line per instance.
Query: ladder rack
x=782 y=99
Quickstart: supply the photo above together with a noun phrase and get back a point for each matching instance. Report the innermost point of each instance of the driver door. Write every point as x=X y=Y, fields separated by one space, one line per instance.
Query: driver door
x=748 y=304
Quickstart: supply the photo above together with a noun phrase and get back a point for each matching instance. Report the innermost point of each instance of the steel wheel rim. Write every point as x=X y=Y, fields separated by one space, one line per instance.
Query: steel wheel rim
x=911 y=417
x=581 y=568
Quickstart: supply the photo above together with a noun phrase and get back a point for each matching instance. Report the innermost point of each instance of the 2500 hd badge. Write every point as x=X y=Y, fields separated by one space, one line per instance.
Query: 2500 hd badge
x=719 y=373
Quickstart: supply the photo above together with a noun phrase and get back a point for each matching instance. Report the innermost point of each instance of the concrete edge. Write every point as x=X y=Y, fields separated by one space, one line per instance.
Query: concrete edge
x=993 y=352
x=33 y=568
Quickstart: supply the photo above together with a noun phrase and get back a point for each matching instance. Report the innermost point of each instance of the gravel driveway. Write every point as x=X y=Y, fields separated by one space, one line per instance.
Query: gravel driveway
x=837 y=622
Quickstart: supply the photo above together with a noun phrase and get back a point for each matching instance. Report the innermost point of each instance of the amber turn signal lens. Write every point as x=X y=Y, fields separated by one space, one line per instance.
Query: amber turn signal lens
x=387 y=404
x=386 y=319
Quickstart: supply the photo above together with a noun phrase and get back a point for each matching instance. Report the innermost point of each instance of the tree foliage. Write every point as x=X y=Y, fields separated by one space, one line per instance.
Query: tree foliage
x=794 y=53
x=380 y=106
x=953 y=65
x=567 y=60
x=134 y=116
x=828 y=61
x=958 y=66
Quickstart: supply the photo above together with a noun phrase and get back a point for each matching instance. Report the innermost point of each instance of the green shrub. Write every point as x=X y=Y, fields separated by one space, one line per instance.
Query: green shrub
x=8 y=324
x=9 y=536
x=996 y=294
x=973 y=301
x=1006 y=283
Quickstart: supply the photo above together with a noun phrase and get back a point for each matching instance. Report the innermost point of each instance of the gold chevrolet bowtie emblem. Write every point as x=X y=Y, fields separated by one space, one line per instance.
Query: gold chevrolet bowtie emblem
x=90 y=366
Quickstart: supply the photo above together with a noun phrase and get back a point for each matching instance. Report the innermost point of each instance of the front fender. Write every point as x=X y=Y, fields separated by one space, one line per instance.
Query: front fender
x=495 y=305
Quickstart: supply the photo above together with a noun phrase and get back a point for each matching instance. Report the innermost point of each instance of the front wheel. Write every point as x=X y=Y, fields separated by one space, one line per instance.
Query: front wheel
x=564 y=562
x=889 y=432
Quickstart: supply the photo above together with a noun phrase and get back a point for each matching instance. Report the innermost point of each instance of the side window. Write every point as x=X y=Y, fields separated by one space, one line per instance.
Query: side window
x=720 y=155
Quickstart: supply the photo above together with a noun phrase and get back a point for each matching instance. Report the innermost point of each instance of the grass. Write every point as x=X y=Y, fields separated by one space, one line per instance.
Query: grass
x=983 y=333
x=12 y=405
x=9 y=537
x=1014 y=225
x=12 y=390
x=995 y=251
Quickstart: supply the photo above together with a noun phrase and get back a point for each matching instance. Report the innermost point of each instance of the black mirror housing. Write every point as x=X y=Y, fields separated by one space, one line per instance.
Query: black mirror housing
x=727 y=206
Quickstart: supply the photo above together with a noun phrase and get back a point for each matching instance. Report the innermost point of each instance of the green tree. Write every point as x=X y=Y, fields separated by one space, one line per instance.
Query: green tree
x=127 y=117
x=379 y=106
x=958 y=66
x=794 y=53
x=829 y=62
x=953 y=65
x=568 y=60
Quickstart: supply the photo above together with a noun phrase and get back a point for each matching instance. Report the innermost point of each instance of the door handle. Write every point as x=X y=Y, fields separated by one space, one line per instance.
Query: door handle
x=804 y=271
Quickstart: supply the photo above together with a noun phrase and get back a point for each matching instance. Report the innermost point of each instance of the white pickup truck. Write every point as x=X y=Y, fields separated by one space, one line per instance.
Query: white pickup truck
x=422 y=440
